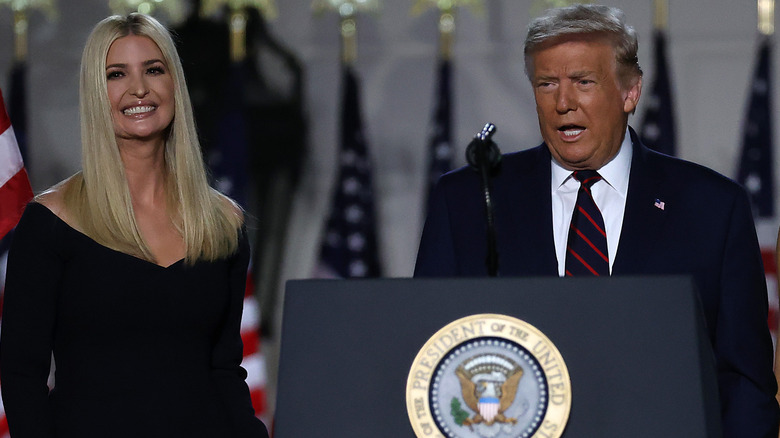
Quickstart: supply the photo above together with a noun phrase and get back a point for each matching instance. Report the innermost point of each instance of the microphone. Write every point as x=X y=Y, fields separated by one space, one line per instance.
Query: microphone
x=482 y=151
x=484 y=156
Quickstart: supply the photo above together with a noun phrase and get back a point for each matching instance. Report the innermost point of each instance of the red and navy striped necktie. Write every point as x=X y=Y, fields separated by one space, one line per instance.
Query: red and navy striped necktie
x=586 y=250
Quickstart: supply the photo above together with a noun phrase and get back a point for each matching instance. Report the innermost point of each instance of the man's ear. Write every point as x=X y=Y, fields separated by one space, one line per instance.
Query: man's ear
x=631 y=96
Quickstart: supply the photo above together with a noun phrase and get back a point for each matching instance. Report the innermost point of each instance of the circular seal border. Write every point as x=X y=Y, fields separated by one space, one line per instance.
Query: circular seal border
x=488 y=325
x=516 y=351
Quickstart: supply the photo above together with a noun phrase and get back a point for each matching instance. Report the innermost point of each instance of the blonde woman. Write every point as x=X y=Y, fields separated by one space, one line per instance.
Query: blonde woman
x=131 y=272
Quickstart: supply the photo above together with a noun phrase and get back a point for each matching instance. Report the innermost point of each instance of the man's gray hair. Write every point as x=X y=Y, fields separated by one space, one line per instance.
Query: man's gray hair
x=586 y=20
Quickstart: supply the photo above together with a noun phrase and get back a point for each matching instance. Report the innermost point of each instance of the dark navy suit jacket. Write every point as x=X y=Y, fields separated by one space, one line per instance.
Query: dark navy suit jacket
x=705 y=229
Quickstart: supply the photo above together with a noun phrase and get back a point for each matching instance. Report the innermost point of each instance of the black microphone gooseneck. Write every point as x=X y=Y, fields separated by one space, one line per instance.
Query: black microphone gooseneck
x=484 y=156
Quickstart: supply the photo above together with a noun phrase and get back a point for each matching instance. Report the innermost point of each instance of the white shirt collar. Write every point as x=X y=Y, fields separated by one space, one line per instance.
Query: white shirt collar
x=615 y=172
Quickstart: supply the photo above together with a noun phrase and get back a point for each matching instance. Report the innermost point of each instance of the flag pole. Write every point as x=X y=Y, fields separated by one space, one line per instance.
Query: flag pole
x=20 y=36
x=349 y=248
x=440 y=149
x=766 y=17
x=661 y=14
x=210 y=7
x=348 y=26
x=20 y=10
x=174 y=9
x=657 y=129
x=447 y=19
x=347 y=10
x=446 y=32
x=238 y=19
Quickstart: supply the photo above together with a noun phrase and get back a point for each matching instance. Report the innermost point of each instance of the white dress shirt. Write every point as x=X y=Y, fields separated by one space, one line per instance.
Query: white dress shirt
x=609 y=194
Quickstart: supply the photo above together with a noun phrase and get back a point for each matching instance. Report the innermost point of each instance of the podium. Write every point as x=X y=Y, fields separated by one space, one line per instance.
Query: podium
x=637 y=353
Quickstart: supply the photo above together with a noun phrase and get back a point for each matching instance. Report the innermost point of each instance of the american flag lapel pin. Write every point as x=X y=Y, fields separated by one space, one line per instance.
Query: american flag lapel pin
x=659 y=204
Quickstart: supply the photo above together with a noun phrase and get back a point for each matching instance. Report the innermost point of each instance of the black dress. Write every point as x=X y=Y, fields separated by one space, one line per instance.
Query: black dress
x=140 y=350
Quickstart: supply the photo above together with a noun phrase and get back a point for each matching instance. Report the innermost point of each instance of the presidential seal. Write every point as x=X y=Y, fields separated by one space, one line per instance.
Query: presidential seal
x=488 y=376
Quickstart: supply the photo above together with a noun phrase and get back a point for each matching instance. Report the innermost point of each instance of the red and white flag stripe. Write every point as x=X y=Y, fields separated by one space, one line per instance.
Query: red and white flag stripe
x=770 y=270
x=15 y=193
x=15 y=190
x=254 y=360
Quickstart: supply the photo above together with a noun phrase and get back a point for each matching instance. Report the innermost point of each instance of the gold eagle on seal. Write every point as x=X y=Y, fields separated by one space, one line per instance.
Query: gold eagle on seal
x=489 y=385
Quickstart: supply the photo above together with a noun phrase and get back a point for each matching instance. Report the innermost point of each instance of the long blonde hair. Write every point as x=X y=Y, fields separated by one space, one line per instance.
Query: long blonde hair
x=98 y=198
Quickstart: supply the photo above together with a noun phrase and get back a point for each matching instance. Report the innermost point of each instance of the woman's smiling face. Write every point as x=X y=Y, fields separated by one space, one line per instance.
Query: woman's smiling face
x=140 y=89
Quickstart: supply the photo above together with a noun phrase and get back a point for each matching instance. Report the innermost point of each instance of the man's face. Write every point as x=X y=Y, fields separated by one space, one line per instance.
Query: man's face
x=581 y=103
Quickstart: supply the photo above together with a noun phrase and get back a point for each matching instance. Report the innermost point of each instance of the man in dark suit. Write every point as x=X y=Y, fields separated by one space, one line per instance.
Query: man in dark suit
x=653 y=214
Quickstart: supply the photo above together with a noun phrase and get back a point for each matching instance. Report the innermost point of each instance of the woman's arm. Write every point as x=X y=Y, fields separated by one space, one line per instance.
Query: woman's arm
x=227 y=372
x=29 y=311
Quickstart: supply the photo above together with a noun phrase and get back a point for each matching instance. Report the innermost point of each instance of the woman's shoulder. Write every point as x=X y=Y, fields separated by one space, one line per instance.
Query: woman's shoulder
x=55 y=198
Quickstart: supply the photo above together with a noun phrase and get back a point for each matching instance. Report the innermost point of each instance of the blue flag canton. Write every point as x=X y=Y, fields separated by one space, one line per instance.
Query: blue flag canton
x=440 y=143
x=349 y=248
x=228 y=158
x=755 y=166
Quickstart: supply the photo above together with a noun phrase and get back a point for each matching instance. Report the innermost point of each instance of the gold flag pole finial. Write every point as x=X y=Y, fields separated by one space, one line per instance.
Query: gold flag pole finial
x=446 y=33
x=766 y=16
x=20 y=9
x=174 y=9
x=447 y=19
x=267 y=8
x=238 y=20
x=661 y=14
x=20 y=35
x=477 y=6
x=347 y=10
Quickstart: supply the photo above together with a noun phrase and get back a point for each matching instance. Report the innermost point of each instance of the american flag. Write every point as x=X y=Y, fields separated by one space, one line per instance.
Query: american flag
x=440 y=143
x=349 y=245
x=770 y=270
x=254 y=359
x=229 y=154
x=755 y=168
x=228 y=162
x=658 y=131
x=15 y=192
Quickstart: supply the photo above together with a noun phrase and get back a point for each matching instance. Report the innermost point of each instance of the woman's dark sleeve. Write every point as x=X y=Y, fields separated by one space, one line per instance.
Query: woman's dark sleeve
x=29 y=310
x=227 y=372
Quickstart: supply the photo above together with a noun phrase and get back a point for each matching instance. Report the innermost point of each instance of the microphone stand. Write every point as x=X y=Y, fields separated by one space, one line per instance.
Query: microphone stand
x=484 y=156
